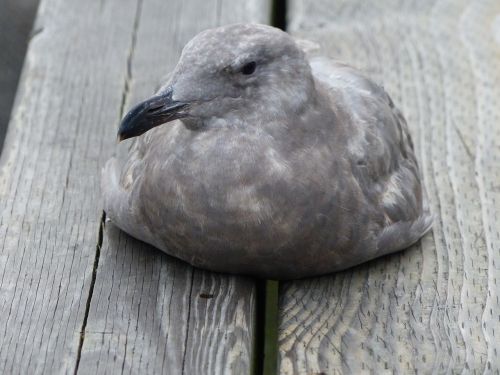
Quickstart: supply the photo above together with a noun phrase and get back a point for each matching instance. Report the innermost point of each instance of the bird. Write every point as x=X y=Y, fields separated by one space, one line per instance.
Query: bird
x=255 y=157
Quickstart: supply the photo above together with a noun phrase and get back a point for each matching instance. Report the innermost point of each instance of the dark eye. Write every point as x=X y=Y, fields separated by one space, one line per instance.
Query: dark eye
x=249 y=68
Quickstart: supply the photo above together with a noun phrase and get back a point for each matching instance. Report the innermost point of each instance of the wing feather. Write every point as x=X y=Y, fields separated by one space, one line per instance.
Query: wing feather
x=381 y=153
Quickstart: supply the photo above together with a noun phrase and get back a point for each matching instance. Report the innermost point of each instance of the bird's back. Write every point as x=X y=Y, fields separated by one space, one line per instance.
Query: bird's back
x=380 y=156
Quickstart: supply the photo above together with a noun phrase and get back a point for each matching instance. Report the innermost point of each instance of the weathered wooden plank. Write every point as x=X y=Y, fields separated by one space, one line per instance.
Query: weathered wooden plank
x=150 y=313
x=434 y=307
x=82 y=68
x=153 y=314
x=58 y=137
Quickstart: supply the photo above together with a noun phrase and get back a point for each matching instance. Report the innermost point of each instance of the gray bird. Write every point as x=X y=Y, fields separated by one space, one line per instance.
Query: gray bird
x=272 y=164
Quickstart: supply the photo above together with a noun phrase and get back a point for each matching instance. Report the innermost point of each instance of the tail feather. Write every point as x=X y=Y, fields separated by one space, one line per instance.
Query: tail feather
x=403 y=234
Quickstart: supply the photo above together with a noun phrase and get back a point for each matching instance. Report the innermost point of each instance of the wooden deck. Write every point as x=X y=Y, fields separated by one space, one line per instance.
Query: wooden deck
x=79 y=296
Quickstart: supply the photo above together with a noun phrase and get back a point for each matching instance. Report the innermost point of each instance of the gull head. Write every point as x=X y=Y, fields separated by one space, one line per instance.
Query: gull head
x=236 y=75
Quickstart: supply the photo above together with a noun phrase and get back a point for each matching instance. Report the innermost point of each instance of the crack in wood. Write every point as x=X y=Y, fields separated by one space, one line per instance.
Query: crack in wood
x=188 y=321
x=100 y=237
x=128 y=78
x=133 y=42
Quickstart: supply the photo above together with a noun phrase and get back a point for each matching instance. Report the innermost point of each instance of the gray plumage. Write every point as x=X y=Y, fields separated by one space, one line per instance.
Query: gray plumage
x=272 y=164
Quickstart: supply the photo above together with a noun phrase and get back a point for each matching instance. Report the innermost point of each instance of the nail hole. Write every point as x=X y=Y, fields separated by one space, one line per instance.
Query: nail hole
x=206 y=295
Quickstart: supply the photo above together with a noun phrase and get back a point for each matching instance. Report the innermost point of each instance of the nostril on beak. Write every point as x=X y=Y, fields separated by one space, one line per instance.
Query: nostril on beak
x=155 y=109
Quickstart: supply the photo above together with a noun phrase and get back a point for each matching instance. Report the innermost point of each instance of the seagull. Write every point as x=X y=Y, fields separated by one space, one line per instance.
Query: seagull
x=255 y=158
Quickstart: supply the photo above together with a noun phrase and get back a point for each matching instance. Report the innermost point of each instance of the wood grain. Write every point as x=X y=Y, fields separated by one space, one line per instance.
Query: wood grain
x=151 y=313
x=139 y=310
x=58 y=137
x=433 y=308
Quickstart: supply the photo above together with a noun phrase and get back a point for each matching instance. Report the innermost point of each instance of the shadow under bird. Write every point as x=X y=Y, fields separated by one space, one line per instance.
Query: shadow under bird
x=269 y=163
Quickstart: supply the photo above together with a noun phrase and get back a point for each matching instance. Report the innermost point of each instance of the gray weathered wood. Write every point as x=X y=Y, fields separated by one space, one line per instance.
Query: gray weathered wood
x=87 y=62
x=151 y=313
x=58 y=138
x=434 y=307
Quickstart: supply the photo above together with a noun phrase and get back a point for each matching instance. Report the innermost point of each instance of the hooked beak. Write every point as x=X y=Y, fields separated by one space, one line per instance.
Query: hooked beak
x=150 y=113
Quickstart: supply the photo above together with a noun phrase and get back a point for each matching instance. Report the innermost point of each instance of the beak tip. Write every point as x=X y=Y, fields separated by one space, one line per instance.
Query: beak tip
x=120 y=138
x=148 y=114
